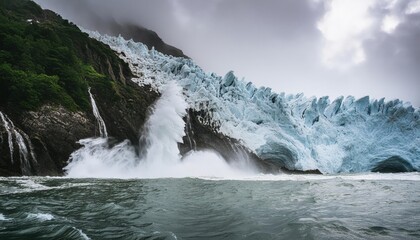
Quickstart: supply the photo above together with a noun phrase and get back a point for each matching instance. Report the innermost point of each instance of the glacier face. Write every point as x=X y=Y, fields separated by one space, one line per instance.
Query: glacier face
x=345 y=135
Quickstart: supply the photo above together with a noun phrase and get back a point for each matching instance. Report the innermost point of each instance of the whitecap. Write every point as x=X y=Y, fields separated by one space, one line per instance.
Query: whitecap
x=415 y=176
x=3 y=218
x=82 y=234
x=41 y=216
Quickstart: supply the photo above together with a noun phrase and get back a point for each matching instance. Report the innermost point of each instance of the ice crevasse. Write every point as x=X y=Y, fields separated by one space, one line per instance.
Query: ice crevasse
x=343 y=135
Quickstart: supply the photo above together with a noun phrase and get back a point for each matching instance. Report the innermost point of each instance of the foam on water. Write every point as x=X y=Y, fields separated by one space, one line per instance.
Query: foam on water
x=40 y=216
x=289 y=207
x=31 y=185
x=415 y=176
x=82 y=234
x=3 y=218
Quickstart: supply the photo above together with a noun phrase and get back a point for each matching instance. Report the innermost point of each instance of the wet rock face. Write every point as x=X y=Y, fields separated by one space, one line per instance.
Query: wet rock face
x=54 y=132
x=125 y=117
x=39 y=142
x=203 y=137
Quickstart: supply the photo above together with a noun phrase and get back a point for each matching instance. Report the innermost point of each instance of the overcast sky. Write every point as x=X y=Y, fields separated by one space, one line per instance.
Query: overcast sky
x=318 y=47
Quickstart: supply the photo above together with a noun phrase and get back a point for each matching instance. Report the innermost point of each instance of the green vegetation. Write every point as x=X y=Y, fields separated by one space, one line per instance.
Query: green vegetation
x=45 y=59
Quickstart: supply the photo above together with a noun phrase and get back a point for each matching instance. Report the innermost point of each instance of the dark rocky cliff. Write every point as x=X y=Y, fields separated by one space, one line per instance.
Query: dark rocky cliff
x=38 y=136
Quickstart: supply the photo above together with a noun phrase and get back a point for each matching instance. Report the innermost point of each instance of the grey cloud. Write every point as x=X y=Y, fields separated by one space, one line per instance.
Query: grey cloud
x=395 y=59
x=270 y=42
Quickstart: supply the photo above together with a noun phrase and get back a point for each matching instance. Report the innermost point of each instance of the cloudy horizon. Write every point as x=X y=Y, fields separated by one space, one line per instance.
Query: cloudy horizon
x=331 y=47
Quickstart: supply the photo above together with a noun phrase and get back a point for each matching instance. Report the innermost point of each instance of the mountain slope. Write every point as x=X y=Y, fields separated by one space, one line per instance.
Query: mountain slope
x=46 y=67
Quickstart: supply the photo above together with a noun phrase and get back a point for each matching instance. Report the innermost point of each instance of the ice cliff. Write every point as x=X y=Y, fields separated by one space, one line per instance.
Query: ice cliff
x=345 y=135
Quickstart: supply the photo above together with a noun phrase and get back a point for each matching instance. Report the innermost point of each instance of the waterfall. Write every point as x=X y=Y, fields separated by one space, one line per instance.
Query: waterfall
x=9 y=135
x=25 y=153
x=190 y=133
x=101 y=123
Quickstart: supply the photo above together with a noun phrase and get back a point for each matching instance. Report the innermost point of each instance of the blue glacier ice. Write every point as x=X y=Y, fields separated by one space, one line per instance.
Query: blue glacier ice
x=345 y=135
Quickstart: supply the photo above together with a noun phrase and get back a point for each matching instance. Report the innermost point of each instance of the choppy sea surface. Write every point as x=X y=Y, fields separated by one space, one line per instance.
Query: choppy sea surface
x=372 y=206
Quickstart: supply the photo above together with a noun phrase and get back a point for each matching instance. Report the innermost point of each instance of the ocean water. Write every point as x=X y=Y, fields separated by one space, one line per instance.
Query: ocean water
x=372 y=206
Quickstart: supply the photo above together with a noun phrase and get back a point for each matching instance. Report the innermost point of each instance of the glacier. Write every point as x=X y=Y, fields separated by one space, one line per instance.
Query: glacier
x=294 y=131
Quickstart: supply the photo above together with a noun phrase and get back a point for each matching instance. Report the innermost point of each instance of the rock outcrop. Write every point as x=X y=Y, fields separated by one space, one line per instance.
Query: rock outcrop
x=199 y=136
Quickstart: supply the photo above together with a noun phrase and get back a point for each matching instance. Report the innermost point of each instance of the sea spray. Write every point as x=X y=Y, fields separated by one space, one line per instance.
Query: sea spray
x=163 y=131
x=101 y=123
x=165 y=127
x=97 y=159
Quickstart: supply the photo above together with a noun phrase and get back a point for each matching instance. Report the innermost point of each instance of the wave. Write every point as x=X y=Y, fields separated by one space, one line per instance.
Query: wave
x=42 y=217
x=18 y=185
x=3 y=218
x=82 y=234
x=309 y=177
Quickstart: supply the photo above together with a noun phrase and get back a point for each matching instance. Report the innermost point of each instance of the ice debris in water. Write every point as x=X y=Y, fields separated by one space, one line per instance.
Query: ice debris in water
x=345 y=135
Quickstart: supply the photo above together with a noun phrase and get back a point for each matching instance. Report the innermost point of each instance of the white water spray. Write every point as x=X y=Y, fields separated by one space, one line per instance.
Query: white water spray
x=163 y=131
x=165 y=127
x=101 y=123
x=24 y=150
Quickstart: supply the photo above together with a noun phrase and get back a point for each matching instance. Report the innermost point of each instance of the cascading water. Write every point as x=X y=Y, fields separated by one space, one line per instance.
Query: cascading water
x=23 y=154
x=101 y=123
x=163 y=131
x=190 y=134
x=26 y=154
x=9 y=135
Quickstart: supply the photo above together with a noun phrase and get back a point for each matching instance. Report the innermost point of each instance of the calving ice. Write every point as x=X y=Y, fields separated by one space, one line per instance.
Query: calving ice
x=345 y=135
